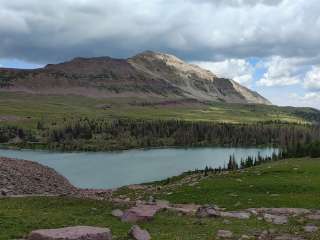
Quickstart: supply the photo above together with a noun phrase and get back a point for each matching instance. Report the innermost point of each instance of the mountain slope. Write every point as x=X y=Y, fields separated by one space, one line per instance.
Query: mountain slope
x=145 y=75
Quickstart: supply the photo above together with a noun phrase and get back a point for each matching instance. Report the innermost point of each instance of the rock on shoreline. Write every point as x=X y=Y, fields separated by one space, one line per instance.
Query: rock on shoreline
x=22 y=177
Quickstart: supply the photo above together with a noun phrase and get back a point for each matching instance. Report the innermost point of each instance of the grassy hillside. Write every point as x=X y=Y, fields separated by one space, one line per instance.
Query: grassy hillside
x=288 y=183
x=26 y=110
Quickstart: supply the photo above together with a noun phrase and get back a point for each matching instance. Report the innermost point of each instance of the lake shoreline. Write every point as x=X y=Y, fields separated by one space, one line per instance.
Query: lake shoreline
x=107 y=170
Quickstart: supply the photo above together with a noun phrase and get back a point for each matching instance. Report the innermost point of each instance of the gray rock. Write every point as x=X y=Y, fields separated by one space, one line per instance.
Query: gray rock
x=4 y=192
x=224 y=234
x=238 y=215
x=117 y=213
x=140 y=213
x=72 y=233
x=310 y=228
x=288 y=237
x=188 y=209
x=279 y=211
x=275 y=219
x=315 y=216
x=211 y=212
x=139 y=234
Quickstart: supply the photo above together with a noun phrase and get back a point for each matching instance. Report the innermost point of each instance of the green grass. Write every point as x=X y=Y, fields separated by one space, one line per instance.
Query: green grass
x=32 y=108
x=297 y=181
x=289 y=183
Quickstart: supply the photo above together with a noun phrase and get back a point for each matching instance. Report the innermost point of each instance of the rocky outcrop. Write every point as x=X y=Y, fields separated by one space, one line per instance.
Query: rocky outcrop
x=72 y=233
x=213 y=211
x=148 y=74
x=140 y=213
x=20 y=177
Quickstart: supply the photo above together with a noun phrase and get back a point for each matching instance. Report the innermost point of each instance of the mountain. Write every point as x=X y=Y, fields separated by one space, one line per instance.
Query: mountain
x=147 y=74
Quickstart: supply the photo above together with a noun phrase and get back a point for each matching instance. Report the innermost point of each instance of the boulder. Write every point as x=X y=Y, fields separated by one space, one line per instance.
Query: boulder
x=72 y=233
x=288 y=237
x=208 y=212
x=188 y=209
x=275 y=219
x=139 y=234
x=280 y=211
x=224 y=234
x=310 y=228
x=117 y=213
x=315 y=217
x=212 y=212
x=140 y=213
x=238 y=215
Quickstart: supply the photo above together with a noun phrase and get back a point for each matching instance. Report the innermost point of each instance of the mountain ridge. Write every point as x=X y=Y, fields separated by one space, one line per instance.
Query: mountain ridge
x=147 y=74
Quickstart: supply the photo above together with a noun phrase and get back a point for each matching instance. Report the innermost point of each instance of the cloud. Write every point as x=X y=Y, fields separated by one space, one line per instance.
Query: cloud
x=280 y=72
x=195 y=30
x=312 y=79
x=311 y=99
x=239 y=70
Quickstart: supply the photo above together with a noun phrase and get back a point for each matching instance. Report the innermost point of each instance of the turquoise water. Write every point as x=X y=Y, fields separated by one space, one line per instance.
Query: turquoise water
x=115 y=169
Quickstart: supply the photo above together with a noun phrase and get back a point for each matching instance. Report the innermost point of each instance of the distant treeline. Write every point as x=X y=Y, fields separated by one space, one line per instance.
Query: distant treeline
x=99 y=134
x=233 y=164
x=307 y=150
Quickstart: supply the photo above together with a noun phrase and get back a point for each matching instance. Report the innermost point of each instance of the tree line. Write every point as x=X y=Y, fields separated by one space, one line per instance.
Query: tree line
x=100 y=134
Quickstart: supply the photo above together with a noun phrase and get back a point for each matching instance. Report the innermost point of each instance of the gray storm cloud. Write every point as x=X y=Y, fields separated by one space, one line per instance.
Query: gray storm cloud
x=196 y=30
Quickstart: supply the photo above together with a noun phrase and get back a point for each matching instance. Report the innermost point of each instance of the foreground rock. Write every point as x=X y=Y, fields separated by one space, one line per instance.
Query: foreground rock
x=140 y=213
x=117 y=213
x=20 y=177
x=188 y=209
x=275 y=219
x=139 y=234
x=72 y=233
x=310 y=228
x=288 y=237
x=280 y=211
x=224 y=234
x=209 y=211
x=145 y=211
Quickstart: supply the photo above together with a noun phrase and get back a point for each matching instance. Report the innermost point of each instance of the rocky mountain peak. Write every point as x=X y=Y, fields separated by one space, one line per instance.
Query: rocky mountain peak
x=146 y=75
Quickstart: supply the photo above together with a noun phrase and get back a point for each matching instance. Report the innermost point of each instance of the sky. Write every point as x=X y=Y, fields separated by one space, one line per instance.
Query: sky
x=270 y=46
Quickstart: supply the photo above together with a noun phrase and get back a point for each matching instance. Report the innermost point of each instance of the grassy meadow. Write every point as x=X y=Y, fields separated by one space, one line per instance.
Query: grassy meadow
x=287 y=183
x=26 y=110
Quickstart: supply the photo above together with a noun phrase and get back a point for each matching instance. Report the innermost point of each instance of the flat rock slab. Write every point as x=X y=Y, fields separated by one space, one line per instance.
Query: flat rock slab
x=211 y=212
x=72 y=233
x=288 y=237
x=140 y=213
x=238 y=215
x=188 y=209
x=280 y=211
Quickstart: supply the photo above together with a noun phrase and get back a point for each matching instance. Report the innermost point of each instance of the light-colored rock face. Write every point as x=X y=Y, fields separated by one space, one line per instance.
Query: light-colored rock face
x=194 y=81
x=72 y=233
x=182 y=68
